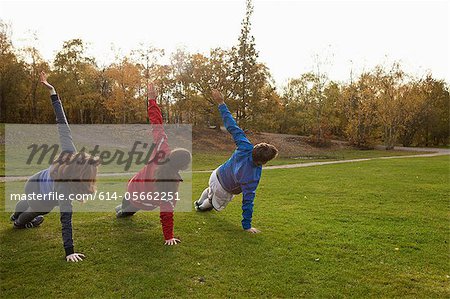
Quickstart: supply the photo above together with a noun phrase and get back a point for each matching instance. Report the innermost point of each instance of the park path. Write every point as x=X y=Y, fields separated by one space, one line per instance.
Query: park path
x=434 y=154
x=431 y=152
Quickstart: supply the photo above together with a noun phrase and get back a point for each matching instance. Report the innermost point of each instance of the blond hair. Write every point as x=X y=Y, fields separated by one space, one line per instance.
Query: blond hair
x=77 y=172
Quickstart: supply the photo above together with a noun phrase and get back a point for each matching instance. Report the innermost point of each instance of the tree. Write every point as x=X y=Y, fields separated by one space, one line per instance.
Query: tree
x=188 y=104
x=13 y=80
x=296 y=97
x=125 y=104
x=390 y=92
x=249 y=78
x=310 y=103
x=358 y=104
x=435 y=129
x=146 y=57
x=36 y=97
x=384 y=104
x=414 y=109
x=76 y=75
x=331 y=123
x=268 y=113
x=208 y=72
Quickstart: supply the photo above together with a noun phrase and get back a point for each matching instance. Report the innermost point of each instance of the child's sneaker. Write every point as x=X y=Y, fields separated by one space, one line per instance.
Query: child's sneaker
x=33 y=223
x=199 y=209
x=13 y=218
x=196 y=205
x=122 y=214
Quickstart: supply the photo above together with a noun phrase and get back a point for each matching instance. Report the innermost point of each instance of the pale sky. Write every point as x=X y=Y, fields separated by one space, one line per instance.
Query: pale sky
x=347 y=35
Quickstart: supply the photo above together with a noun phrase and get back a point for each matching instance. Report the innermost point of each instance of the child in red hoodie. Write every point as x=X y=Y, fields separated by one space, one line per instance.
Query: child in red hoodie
x=160 y=177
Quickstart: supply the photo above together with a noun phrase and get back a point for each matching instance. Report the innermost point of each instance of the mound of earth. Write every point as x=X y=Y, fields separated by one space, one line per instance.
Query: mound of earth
x=210 y=140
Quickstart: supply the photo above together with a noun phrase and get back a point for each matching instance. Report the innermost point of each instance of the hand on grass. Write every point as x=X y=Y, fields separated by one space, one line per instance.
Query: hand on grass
x=151 y=91
x=217 y=96
x=43 y=79
x=75 y=257
x=173 y=241
x=253 y=230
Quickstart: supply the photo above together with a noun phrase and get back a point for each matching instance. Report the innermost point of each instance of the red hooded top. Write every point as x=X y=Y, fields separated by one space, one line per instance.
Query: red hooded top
x=144 y=180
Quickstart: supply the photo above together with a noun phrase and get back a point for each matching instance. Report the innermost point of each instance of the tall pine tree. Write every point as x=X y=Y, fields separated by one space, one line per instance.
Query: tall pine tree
x=249 y=76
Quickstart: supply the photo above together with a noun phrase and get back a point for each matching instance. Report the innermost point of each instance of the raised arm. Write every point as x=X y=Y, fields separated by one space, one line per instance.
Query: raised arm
x=230 y=124
x=160 y=139
x=65 y=136
x=156 y=120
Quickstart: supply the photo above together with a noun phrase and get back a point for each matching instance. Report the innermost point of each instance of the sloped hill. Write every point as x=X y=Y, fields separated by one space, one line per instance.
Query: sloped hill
x=210 y=140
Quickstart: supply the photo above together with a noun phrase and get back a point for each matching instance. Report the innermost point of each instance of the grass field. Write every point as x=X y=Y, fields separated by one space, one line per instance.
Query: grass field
x=370 y=229
x=209 y=161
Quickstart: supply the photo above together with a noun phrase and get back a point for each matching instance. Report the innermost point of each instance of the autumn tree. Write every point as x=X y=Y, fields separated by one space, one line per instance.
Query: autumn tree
x=77 y=78
x=209 y=72
x=414 y=109
x=383 y=105
x=436 y=110
x=189 y=105
x=126 y=103
x=358 y=104
x=146 y=58
x=249 y=77
x=36 y=98
x=310 y=106
x=389 y=95
x=12 y=80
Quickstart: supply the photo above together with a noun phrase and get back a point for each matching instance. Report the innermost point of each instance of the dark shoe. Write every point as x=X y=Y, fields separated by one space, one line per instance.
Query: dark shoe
x=12 y=218
x=33 y=223
x=198 y=209
x=118 y=208
x=122 y=214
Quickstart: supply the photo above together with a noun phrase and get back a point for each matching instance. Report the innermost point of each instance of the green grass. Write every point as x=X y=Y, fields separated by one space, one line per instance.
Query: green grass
x=2 y=159
x=373 y=229
x=209 y=161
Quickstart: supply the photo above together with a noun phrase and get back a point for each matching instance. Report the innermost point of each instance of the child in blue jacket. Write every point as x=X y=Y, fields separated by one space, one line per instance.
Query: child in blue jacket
x=240 y=174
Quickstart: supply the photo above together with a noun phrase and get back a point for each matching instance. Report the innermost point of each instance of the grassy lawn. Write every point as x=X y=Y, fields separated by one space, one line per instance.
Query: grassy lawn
x=369 y=229
x=209 y=161
x=2 y=159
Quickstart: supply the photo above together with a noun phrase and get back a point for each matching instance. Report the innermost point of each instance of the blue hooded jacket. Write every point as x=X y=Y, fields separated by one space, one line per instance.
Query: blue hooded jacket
x=239 y=173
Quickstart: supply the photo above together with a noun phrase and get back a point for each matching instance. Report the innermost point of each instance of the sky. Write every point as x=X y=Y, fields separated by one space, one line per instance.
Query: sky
x=289 y=35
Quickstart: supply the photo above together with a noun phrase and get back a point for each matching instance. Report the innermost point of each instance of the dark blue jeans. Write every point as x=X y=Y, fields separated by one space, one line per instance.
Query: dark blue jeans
x=26 y=210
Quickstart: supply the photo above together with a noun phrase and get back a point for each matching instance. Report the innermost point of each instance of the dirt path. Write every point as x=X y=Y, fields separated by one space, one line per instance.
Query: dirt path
x=434 y=152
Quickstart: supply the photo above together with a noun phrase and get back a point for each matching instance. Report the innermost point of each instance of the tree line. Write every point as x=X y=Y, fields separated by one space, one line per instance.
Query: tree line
x=384 y=104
